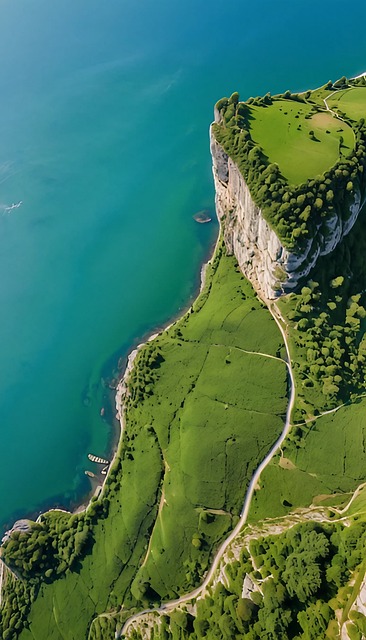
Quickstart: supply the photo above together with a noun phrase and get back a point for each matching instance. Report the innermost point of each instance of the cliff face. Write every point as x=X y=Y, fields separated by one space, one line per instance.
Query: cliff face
x=272 y=269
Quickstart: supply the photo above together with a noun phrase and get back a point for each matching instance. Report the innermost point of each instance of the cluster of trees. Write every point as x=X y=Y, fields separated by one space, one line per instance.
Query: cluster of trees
x=49 y=547
x=44 y=553
x=332 y=355
x=295 y=212
x=144 y=374
x=17 y=598
x=300 y=581
x=262 y=101
x=328 y=321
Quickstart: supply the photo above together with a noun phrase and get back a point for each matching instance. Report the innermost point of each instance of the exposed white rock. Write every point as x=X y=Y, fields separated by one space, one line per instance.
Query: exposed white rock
x=249 y=586
x=271 y=268
x=23 y=526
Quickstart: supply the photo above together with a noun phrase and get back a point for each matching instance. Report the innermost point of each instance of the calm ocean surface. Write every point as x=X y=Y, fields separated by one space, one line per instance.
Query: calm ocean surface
x=104 y=116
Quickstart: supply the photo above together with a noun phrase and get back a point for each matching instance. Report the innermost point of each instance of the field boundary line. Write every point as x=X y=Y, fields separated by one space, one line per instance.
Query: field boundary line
x=247 y=500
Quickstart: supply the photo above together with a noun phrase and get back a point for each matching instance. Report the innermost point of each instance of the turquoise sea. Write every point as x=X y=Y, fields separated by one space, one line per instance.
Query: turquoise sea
x=104 y=116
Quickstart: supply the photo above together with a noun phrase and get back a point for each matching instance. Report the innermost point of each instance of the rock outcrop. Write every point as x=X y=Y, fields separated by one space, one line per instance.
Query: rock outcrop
x=23 y=526
x=272 y=269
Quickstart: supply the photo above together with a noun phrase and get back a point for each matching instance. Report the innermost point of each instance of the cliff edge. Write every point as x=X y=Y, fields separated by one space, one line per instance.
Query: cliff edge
x=272 y=269
x=289 y=176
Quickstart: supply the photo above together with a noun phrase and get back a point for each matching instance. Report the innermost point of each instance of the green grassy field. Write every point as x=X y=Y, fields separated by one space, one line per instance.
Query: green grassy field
x=350 y=101
x=190 y=448
x=283 y=130
x=64 y=608
x=328 y=459
x=220 y=418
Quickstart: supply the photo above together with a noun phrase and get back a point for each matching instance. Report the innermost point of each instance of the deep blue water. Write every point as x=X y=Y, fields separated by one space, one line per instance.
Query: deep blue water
x=104 y=116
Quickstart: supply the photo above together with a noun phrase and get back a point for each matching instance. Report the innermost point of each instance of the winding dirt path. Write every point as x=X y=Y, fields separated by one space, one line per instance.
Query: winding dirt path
x=329 y=411
x=334 y=113
x=248 y=496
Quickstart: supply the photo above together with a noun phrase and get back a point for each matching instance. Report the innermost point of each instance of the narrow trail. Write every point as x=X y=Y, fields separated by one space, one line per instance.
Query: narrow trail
x=349 y=403
x=161 y=505
x=253 y=353
x=353 y=497
x=334 y=113
x=199 y=591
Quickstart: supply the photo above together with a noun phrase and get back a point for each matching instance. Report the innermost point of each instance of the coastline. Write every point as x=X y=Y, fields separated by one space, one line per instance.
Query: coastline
x=120 y=392
x=122 y=384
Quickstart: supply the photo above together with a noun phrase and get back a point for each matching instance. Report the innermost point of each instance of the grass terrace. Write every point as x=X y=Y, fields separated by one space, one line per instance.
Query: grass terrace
x=351 y=102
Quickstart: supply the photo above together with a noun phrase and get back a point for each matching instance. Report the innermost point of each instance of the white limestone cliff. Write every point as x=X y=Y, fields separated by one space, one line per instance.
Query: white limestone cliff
x=272 y=269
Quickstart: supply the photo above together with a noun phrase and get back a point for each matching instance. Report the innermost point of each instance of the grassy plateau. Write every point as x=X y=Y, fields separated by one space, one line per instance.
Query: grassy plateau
x=287 y=129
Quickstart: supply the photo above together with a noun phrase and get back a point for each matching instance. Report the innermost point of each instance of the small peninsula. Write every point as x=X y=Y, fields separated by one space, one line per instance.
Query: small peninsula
x=235 y=505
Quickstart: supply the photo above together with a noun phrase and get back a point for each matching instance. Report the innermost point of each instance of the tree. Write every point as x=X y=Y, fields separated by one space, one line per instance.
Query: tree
x=302 y=575
x=337 y=282
x=234 y=98
x=245 y=608
x=314 y=620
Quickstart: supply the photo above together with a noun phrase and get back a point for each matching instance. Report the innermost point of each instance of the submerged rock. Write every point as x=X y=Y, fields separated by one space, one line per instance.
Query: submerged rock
x=202 y=216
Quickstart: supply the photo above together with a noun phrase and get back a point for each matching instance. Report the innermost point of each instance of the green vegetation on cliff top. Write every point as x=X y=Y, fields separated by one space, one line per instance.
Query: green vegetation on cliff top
x=302 y=161
x=289 y=129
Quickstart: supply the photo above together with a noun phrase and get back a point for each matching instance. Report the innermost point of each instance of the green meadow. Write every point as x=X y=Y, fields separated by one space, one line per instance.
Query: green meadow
x=322 y=459
x=302 y=142
x=351 y=102
x=323 y=467
x=217 y=416
x=200 y=417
